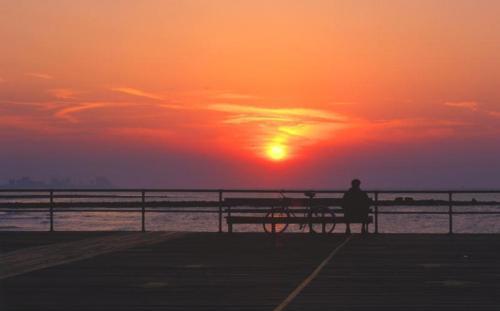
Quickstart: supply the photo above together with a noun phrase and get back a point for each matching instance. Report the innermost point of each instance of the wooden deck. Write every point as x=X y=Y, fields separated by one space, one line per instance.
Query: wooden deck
x=246 y=271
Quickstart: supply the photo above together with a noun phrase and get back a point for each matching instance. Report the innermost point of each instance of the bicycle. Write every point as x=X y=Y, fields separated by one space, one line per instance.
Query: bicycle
x=319 y=219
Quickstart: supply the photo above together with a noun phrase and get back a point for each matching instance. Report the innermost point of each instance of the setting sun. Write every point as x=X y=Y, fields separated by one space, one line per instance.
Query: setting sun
x=209 y=93
x=276 y=152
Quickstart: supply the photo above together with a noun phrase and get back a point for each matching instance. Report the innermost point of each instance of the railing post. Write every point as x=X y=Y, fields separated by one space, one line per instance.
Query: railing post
x=450 y=212
x=51 y=212
x=376 y=212
x=220 y=211
x=309 y=216
x=230 y=224
x=143 y=211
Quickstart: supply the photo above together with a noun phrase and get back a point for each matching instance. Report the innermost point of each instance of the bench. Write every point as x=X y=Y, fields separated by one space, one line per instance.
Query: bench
x=265 y=205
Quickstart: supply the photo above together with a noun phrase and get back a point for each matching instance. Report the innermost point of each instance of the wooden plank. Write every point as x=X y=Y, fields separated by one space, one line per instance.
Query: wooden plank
x=206 y=271
x=12 y=240
x=409 y=272
x=40 y=257
x=310 y=277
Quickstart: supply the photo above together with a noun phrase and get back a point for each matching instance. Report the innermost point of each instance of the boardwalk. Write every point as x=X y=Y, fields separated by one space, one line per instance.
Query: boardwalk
x=209 y=271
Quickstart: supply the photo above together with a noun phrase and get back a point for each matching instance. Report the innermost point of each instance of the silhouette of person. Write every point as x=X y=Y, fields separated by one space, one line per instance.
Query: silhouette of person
x=356 y=205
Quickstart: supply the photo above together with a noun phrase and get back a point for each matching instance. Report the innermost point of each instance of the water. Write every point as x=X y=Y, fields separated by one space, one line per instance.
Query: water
x=155 y=221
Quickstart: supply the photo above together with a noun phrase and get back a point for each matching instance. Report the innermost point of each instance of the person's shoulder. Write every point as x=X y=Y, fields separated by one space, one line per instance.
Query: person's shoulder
x=348 y=193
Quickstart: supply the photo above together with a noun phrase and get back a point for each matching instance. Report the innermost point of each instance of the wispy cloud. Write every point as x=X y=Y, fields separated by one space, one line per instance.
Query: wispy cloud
x=470 y=105
x=475 y=107
x=154 y=134
x=137 y=92
x=415 y=123
x=40 y=105
x=254 y=113
x=341 y=103
x=409 y=129
x=67 y=113
x=233 y=95
x=39 y=75
x=495 y=114
x=171 y=106
x=292 y=127
x=239 y=119
x=63 y=93
x=21 y=123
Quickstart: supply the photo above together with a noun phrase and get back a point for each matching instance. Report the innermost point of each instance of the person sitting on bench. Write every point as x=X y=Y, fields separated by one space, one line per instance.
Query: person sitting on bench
x=356 y=205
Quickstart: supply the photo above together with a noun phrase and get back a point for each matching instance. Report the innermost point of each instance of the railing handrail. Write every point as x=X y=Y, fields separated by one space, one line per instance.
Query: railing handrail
x=229 y=190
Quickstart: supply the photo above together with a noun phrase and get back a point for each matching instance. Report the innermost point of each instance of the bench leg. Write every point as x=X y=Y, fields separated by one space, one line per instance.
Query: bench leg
x=364 y=228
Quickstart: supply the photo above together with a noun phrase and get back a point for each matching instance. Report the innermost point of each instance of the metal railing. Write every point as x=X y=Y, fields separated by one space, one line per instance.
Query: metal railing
x=144 y=200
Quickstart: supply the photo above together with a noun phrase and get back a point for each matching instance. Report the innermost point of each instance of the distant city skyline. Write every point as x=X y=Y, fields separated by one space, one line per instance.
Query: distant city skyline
x=27 y=182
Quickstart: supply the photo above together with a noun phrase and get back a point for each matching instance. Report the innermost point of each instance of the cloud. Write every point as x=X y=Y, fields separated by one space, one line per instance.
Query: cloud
x=62 y=93
x=153 y=134
x=14 y=126
x=246 y=119
x=474 y=106
x=341 y=103
x=171 y=106
x=136 y=92
x=9 y=121
x=408 y=130
x=292 y=127
x=67 y=113
x=38 y=75
x=255 y=113
x=471 y=105
x=495 y=114
x=39 y=105
x=231 y=95
x=420 y=123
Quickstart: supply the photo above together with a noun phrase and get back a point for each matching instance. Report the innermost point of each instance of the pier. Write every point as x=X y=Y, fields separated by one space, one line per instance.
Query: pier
x=172 y=270
x=249 y=271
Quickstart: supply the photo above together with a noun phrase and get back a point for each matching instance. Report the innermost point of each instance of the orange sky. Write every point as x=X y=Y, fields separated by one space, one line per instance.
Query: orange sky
x=242 y=81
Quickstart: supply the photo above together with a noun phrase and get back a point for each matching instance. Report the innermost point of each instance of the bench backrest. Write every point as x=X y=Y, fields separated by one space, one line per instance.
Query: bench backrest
x=276 y=202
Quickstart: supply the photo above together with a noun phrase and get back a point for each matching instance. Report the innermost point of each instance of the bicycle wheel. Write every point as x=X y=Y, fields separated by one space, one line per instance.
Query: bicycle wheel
x=276 y=227
x=322 y=220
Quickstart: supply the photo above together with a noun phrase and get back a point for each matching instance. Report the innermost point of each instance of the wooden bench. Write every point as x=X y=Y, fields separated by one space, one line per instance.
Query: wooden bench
x=266 y=205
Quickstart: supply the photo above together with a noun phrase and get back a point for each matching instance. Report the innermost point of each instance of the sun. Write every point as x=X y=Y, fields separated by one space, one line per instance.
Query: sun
x=276 y=152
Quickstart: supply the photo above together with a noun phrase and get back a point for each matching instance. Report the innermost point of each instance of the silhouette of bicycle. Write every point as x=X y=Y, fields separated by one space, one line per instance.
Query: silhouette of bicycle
x=319 y=219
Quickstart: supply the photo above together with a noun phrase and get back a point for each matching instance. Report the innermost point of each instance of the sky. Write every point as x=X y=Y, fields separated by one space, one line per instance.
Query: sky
x=252 y=93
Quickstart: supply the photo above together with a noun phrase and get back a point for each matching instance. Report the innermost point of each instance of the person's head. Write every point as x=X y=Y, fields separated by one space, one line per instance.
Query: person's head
x=356 y=183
